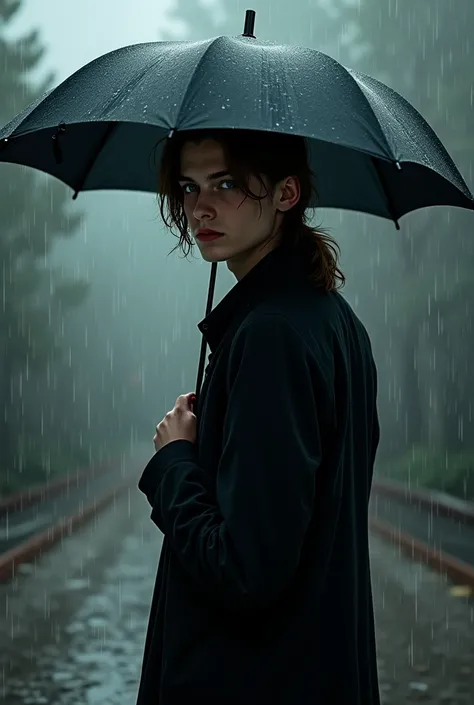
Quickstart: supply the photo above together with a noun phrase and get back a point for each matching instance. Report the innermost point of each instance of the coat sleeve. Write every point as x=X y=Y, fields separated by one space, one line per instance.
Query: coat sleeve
x=240 y=537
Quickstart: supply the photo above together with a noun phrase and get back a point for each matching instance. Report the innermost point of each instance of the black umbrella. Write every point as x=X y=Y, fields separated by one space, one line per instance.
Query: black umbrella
x=103 y=127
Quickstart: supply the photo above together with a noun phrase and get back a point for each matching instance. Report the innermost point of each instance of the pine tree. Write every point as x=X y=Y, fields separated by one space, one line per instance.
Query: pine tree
x=422 y=50
x=33 y=214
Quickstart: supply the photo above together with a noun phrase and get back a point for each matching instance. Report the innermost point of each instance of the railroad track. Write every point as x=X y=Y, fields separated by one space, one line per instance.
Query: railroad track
x=33 y=521
x=430 y=527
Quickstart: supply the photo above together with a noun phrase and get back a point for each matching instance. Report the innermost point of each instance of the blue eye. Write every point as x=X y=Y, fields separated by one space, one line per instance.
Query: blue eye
x=225 y=181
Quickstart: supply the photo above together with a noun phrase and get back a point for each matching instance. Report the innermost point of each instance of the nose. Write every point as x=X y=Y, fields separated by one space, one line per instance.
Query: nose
x=203 y=207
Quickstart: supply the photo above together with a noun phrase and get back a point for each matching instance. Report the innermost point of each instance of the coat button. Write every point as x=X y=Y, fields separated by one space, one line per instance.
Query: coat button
x=205 y=326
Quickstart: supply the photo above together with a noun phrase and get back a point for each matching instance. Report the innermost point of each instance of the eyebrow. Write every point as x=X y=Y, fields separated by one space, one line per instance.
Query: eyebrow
x=209 y=177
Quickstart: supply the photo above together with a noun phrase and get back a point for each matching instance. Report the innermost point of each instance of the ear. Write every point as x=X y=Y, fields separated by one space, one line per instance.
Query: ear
x=288 y=193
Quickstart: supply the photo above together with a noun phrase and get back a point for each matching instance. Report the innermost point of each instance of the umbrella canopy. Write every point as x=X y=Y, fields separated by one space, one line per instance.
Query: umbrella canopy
x=104 y=126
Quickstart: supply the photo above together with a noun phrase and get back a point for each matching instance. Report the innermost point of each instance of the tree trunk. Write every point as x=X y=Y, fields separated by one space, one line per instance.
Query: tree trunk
x=432 y=378
x=411 y=397
x=412 y=414
x=6 y=417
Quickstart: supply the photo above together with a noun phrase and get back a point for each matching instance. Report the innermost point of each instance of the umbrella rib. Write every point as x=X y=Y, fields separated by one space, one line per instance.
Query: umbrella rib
x=191 y=78
x=354 y=75
x=112 y=126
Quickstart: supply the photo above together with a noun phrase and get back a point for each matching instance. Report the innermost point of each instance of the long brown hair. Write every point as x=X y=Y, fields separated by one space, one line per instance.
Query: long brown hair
x=259 y=153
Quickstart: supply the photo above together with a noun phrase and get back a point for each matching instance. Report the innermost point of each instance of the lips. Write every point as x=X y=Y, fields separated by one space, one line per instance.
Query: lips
x=207 y=235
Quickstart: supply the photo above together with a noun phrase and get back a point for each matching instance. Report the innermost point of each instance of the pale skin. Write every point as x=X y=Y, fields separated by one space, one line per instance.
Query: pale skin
x=178 y=424
x=219 y=205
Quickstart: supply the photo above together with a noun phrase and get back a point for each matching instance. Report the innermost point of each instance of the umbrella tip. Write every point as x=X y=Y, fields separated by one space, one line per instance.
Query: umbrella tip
x=249 y=24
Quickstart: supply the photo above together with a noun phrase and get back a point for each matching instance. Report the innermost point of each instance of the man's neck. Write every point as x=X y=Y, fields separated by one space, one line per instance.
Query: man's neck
x=243 y=263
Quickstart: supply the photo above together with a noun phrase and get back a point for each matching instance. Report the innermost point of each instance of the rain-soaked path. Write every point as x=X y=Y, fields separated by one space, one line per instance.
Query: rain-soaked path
x=73 y=632
x=444 y=534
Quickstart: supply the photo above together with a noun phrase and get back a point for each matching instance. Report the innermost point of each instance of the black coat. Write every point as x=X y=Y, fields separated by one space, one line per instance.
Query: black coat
x=263 y=593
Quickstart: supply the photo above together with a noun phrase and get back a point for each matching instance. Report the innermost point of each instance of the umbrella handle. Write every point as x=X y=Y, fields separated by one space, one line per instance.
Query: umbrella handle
x=202 y=357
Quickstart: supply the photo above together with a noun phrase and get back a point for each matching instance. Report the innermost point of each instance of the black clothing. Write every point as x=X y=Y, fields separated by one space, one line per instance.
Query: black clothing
x=263 y=593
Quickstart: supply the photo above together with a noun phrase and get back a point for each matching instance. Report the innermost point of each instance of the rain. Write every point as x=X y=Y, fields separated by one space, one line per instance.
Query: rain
x=98 y=326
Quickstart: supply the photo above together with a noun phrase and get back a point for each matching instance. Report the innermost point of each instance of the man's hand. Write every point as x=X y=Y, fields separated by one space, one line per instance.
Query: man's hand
x=178 y=424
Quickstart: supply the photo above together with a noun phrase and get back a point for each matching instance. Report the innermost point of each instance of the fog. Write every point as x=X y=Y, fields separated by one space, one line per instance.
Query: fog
x=132 y=346
x=98 y=319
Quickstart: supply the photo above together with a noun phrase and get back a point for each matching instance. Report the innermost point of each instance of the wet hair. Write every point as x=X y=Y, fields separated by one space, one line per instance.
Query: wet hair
x=247 y=152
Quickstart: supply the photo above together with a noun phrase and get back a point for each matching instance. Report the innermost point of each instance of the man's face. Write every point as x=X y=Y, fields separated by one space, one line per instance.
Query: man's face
x=219 y=205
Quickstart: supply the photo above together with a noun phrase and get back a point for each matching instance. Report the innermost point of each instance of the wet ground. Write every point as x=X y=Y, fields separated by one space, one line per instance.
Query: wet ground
x=444 y=534
x=72 y=629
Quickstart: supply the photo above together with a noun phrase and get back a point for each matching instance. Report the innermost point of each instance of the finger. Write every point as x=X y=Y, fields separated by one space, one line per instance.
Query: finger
x=184 y=400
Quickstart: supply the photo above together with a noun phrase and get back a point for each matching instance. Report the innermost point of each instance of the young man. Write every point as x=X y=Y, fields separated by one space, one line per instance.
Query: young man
x=263 y=594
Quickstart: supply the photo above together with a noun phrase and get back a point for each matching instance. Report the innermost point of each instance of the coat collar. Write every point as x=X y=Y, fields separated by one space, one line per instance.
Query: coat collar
x=278 y=266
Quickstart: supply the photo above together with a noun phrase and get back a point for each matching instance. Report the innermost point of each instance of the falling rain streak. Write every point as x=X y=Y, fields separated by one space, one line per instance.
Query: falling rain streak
x=98 y=338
